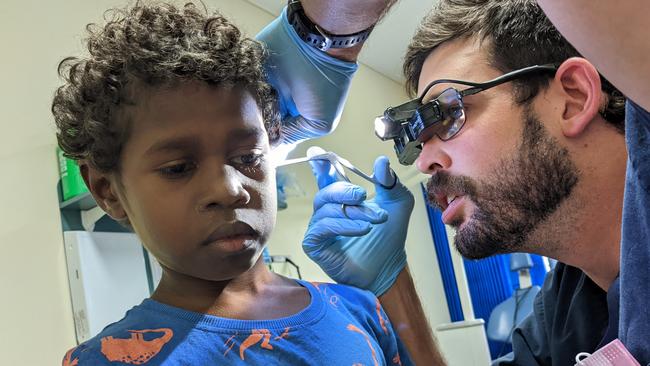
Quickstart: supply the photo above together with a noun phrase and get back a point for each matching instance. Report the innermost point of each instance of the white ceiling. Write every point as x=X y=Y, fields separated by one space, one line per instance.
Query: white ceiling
x=385 y=49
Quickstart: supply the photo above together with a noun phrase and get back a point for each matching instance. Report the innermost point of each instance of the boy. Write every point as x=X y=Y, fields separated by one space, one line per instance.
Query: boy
x=171 y=119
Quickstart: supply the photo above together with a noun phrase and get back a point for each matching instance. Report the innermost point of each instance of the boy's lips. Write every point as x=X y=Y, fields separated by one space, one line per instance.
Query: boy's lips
x=232 y=236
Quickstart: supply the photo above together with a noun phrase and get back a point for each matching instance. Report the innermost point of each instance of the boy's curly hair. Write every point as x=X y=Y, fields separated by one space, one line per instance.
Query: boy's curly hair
x=151 y=45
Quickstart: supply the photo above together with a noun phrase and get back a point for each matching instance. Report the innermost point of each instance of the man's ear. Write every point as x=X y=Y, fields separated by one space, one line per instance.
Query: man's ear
x=581 y=92
x=103 y=189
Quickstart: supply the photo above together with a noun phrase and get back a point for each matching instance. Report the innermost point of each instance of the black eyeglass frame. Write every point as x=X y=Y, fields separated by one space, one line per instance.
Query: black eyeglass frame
x=412 y=123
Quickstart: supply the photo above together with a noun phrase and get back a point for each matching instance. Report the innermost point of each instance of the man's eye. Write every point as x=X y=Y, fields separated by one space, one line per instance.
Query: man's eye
x=248 y=160
x=177 y=170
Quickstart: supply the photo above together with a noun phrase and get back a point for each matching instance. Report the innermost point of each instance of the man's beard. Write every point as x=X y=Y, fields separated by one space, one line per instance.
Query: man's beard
x=519 y=195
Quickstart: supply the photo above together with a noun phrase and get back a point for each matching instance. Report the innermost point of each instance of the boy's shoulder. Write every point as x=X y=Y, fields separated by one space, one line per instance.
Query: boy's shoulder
x=142 y=345
x=134 y=339
x=352 y=295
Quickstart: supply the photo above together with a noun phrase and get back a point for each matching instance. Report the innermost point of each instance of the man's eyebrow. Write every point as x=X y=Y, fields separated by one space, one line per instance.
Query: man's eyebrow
x=173 y=144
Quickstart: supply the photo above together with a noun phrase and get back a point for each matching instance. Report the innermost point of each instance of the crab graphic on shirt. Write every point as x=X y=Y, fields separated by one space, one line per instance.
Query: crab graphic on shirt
x=135 y=350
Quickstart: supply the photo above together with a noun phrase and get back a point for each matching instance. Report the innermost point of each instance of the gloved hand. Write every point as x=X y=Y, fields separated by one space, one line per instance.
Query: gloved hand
x=312 y=85
x=363 y=246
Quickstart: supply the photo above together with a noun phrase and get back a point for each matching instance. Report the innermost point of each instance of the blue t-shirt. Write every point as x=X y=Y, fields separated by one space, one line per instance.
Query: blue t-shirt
x=341 y=326
x=634 y=323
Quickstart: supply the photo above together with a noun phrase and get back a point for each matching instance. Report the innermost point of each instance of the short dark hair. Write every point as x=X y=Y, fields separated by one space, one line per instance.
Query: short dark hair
x=518 y=34
x=153 y=45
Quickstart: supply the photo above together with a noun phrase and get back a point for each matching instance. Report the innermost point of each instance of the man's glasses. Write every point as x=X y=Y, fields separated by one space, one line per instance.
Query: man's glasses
x=412 y=123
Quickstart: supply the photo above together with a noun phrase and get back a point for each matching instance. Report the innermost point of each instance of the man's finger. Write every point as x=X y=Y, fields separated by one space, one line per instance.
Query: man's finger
x=321 y=231
x=383 y=174
x=323 y=171
x=340 y=192
x=365 y=212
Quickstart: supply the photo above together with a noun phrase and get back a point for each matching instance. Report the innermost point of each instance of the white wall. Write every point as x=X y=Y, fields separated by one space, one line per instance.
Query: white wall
x=35 y=312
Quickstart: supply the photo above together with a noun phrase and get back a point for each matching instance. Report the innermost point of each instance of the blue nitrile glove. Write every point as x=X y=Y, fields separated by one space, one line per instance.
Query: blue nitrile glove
x=365 y=250
x=312 y=85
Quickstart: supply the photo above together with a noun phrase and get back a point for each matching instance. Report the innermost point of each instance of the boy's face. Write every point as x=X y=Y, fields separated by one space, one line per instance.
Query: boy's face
x=195 y=181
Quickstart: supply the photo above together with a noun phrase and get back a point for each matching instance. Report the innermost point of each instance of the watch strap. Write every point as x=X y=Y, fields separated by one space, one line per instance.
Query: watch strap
x=317 y=37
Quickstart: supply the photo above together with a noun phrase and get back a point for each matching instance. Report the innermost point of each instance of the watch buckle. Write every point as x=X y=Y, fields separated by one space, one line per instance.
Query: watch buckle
x=326 y=43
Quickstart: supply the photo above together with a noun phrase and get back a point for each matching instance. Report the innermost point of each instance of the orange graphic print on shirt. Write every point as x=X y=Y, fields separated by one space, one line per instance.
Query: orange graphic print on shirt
x=257 y=335
x=230 y=342
x=284 y=334
x=354 y=328
x=322 y=288
x=382 y=321
x=135 y=350
x=317 y=284
x=68 y=361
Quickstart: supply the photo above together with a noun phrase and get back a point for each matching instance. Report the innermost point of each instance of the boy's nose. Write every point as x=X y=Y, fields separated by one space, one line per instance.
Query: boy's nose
x=225 y=190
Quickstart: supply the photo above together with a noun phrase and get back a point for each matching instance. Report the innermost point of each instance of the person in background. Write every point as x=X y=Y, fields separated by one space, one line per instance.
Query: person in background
x=312 y=59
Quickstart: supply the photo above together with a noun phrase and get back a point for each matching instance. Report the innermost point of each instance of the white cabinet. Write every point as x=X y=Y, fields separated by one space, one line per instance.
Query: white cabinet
x=109 y=273
x=464 y=343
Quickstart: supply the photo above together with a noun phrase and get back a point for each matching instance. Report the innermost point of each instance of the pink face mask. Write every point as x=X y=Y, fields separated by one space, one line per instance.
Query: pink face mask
x=613 y=354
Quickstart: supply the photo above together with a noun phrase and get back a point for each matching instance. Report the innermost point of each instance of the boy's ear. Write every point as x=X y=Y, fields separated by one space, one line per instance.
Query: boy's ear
x=581 y=93
x=103 y=190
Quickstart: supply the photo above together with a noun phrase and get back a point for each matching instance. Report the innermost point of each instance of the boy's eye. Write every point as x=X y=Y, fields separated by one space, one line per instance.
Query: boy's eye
x=248 y=160
x=177 y=170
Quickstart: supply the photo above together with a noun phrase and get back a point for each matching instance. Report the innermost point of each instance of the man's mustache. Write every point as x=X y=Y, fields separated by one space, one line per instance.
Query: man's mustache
x=445 y=184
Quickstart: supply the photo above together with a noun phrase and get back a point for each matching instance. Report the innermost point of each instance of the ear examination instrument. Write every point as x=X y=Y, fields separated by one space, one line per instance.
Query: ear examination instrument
x=339 y=164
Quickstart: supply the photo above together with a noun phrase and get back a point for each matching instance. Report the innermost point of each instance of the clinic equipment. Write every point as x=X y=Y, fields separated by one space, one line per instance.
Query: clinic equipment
x=508 y=314
x=72 y=184
x=338 y=163
x=411 y=124
x=108 y=272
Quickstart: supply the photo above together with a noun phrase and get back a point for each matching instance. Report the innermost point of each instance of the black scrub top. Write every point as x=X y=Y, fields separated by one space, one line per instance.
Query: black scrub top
x=570 y=315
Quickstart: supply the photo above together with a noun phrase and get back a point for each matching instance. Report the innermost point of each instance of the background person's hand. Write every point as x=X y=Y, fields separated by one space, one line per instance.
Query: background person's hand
x=362 y=244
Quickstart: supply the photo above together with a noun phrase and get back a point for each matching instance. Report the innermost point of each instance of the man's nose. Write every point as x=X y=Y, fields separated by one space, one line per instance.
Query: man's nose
x=433 y=158
x=225 y=189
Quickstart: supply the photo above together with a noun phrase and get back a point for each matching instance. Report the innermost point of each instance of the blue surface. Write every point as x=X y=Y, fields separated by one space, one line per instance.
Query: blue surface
x=634 y=325
x=491 y=282
x=443 y=253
